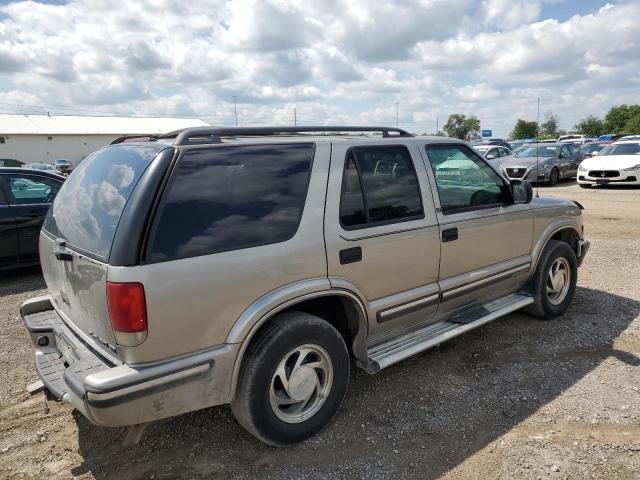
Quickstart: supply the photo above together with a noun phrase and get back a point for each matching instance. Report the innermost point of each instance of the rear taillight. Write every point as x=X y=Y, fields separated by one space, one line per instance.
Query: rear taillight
x=128 y=312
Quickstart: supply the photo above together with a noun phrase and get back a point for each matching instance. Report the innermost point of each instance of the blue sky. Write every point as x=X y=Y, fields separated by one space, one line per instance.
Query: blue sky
x=337 y=61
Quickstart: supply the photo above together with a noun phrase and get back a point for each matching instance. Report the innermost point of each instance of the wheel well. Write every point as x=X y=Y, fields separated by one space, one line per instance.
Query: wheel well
x=337 y=310
x=569 y=236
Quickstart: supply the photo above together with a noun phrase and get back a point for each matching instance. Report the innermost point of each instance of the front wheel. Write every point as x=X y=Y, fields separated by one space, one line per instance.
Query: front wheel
x=554 y=282
x=293 y=379
x=554 y=176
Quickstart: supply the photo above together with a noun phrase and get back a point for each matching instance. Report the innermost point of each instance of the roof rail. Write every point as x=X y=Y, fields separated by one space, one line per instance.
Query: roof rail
x=199 y=135
x=134 y=138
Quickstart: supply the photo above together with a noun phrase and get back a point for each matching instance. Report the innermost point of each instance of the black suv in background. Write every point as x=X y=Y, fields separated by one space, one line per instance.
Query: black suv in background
x=25 y=197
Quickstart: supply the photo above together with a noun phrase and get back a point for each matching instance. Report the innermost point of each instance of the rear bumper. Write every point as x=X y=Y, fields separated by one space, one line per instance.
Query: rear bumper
x=113 y=395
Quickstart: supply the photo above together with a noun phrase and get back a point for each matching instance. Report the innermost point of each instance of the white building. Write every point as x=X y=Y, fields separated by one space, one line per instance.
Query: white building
x=44 y=138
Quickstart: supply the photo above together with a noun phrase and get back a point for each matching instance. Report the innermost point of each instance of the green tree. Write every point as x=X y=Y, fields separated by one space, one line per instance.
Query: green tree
x=633 y=125
x=550 y=128
x=590 y=126
x=459 y=126
x=524 y=129
x=617 y=117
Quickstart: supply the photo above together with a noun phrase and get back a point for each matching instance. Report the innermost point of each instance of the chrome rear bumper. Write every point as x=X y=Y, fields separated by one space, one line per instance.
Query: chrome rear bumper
x=113 y=395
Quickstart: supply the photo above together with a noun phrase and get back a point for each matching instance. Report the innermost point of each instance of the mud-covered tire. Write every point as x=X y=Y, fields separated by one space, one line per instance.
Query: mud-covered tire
x=269 y=360
x=546 y=303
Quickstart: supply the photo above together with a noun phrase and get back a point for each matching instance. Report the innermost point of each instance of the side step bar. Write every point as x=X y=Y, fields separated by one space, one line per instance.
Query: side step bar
x=408 y=344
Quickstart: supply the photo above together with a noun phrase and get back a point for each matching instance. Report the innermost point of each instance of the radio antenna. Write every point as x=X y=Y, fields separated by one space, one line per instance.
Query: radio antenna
x=537 y=151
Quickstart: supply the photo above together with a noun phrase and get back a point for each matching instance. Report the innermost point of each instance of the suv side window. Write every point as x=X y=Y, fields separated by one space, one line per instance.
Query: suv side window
x=379 y=187
x=230 y=198
x=27 y=189
x=464 y=180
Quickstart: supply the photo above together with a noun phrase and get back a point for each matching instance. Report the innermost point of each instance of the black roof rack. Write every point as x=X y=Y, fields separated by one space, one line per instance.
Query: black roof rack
x=200 y=135
x=134 y=138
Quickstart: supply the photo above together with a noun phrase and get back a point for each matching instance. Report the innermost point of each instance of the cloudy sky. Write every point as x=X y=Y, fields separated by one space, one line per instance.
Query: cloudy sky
x=334 y=61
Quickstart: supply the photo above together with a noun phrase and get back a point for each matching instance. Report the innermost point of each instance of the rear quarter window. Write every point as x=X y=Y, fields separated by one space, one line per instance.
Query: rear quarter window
x=231 y=198
x=88 y=207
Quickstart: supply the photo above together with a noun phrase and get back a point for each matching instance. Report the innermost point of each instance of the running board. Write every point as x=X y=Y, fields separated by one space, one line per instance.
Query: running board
x=408 y=344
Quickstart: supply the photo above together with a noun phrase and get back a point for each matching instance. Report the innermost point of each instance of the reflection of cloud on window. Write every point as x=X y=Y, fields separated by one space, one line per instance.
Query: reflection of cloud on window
x=109 y=199
x=239 y=231
x=121 y=175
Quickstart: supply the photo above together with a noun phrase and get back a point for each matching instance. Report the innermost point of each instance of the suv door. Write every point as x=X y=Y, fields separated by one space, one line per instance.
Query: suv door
x=381 y=233
x=30 y=196
x=8 y=233
x=486 y=240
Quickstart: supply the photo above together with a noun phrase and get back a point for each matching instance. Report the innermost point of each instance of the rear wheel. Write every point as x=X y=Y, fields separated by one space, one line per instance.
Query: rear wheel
x=554 y=175
x=293 y=379
x=554 y=283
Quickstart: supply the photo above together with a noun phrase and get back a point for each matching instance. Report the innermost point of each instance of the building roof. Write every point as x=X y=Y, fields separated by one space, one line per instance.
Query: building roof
x=11 y=124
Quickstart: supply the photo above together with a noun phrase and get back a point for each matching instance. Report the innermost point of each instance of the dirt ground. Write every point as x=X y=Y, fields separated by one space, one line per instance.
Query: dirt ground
x=517 y=398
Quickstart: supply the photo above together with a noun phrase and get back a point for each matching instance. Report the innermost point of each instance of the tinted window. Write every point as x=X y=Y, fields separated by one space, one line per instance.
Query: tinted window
x=232 y=197
x=28 y=189
x=379 y=186
x=88 y=207
x=464 y=180
x=352 y=201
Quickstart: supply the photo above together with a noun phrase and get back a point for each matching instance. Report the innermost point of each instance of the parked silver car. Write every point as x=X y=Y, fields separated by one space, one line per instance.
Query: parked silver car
x=544 y=162
x=246 y=266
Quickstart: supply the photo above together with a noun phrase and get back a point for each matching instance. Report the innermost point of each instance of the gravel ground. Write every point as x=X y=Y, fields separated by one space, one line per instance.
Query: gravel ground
x=517 y=398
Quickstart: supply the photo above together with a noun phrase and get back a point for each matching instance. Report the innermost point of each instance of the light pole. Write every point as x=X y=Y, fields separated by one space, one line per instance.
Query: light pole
x=235 y=109
x=397 y=107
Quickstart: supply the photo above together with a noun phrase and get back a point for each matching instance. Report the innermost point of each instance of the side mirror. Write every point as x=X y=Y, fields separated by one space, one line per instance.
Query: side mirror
x=521 y=191
x=491 y=156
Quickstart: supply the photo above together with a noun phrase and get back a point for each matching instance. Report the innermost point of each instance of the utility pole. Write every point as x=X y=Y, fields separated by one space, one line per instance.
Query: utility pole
x=235 y=109
x=397 y=107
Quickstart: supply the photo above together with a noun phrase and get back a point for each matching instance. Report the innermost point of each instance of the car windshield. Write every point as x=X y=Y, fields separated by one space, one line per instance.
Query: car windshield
x=533 y=151
x=621 y=149
x=592 y=147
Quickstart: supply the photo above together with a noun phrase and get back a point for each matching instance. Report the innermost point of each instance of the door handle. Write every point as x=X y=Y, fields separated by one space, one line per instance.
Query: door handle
x=350 y=255
x=450 y=234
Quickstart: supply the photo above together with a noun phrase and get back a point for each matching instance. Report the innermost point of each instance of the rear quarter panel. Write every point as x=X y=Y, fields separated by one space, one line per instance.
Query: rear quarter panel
x=193 y=303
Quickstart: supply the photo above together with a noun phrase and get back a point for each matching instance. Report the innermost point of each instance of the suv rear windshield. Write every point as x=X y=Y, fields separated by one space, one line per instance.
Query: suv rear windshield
x=232 y=197
x=87 y=209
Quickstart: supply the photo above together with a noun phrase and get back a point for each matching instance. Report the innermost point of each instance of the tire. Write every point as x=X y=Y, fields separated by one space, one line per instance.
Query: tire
x=554 y=176
x=546 y=303
x=584 y=185
x=269 y=360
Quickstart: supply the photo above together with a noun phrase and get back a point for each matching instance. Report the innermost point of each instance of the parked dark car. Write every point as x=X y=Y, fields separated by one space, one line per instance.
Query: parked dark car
x=25 y=197
x=63 y=166
x=10 y=162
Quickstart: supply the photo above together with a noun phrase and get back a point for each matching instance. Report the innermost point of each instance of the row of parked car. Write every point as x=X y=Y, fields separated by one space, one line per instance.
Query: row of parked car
x=591 y=161
x=61 y=166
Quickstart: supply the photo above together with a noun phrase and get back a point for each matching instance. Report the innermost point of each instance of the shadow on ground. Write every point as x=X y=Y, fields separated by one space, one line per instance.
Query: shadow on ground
x=21 y=280
x=418 y=419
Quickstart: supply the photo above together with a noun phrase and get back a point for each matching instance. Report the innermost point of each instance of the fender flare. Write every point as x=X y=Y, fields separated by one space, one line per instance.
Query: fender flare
x=271 y=304
x=546 y=235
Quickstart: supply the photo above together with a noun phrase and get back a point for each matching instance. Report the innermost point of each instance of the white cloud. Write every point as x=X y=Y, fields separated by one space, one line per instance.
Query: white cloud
x=342 y=61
